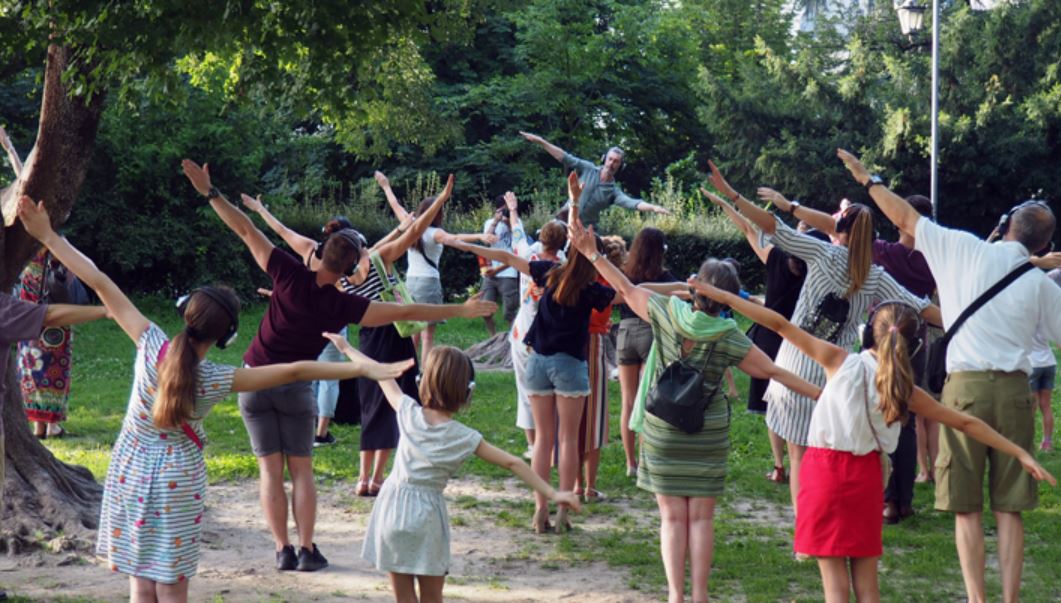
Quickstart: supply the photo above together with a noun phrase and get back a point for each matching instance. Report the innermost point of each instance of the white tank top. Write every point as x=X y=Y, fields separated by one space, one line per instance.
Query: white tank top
x=839 y=421
x=418 y=265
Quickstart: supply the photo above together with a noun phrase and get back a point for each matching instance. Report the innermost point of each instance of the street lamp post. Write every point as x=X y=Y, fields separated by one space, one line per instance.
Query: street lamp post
x=911 y=20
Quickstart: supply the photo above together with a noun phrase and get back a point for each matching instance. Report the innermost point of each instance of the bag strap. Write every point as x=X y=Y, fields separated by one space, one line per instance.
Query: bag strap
x=377 y=263
x=188 y=431
x=865 y=397
x=984 y=298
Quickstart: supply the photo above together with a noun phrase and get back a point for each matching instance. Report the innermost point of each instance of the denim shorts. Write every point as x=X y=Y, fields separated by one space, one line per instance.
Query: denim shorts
x=560 y=374
x=1042 y=378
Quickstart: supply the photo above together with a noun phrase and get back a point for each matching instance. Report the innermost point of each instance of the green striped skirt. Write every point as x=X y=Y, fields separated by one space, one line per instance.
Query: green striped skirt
x=675 y=463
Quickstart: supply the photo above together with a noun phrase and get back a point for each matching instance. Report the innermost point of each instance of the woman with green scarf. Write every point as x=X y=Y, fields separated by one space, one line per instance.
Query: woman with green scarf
x=686 y=471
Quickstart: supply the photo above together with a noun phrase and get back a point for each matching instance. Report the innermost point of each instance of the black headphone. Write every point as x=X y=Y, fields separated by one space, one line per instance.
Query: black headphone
x=1004 y=222
x=352 y=236
x=222 y=300
x=869 y=341
x=604 y=157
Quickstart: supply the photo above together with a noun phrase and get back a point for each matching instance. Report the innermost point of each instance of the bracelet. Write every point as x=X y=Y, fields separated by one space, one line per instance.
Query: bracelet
x=213 y=193
x=593 y=258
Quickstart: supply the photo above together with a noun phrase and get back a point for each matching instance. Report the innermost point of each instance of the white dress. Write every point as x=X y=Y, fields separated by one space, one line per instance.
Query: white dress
x=408 y=531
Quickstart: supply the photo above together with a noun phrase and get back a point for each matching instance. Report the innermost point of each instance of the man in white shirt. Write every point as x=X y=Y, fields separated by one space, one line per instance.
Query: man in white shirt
x=988 y=368
x=499 y=279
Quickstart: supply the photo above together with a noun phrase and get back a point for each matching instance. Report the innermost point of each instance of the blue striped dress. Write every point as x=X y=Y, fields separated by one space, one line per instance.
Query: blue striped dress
x=152 y=510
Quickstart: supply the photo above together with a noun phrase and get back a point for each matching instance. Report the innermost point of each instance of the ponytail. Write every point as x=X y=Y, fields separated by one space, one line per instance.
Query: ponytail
x=895 y=376
x=177 y=382
x=857 y=222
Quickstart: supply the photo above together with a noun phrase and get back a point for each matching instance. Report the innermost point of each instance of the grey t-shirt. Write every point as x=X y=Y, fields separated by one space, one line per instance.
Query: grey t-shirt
x=597 y=196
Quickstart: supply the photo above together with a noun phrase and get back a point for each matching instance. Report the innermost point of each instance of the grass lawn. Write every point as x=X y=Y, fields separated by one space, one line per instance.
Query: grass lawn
x=753 y=559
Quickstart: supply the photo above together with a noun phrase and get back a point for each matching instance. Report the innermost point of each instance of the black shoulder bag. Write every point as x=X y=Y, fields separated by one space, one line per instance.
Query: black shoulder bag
x=937 y=353
x=678 y=395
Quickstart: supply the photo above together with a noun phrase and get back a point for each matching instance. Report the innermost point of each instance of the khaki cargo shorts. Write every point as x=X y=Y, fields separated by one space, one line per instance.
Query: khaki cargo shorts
x=1003 y=401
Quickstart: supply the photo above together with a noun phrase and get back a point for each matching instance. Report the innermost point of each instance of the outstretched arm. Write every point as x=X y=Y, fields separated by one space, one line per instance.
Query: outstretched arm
x=12 y=154
x=815 y=219
x=496 y=255
x=496 y=456
x=392 y=199
x=923 y=404
x=38 y=224
x=556 y=152
x=635 y=297
x=391 y=251
x=757 y=364
x=265 y=377
x=829 y=356
x=386 y=380
x=302 y=246
x=259 y=246
x=382 y=313
x=901 y=213
x=65 y=315
x=759 y=216
x=742 y=223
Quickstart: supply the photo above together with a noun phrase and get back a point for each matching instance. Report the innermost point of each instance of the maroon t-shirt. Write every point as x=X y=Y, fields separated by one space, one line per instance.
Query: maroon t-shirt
x=907 y=266
x=299 y=311
x=19 y=321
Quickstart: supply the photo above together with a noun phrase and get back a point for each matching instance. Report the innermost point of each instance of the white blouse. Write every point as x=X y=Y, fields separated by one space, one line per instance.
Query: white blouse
x=839 y=421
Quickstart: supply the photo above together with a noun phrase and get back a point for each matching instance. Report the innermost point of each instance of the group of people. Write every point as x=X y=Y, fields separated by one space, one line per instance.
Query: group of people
x=838 y=410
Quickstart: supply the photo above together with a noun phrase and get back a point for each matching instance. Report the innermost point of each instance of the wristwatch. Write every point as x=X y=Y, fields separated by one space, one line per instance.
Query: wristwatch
x=213 y=193
x=593 y=258
x=874 y=180
x=792 y=207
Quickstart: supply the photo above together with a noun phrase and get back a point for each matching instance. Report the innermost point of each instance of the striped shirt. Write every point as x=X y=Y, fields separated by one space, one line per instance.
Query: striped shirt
x=152 y=508
x=788 y=413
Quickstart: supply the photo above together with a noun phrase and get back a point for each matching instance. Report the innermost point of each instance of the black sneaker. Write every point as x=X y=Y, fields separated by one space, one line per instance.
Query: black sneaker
x=327 y=440
x=311 y=561
x=286 y=559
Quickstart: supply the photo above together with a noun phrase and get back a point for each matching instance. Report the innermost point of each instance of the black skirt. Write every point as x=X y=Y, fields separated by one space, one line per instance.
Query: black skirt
x=379 y=424
x=769 y=342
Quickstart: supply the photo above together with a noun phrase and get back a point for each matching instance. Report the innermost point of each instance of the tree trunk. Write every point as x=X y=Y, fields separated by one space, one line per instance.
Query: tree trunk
x=42 y=495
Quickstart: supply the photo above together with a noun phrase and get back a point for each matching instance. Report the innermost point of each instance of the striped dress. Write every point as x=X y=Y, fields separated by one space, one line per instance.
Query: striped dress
x=675 y=463
x=788 y=414
x=152 y=509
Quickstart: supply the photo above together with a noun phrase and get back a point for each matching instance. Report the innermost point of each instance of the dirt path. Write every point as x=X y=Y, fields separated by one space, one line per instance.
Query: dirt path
x=490 y=563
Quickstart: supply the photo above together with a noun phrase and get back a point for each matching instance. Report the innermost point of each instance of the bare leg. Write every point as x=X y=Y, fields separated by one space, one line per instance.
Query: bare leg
x=1048 y=419
x=1010 y=553
x=777 y=448
x=530 y=437
x=544 y=410
x=795 y=458
x=404 y=588
x=431 y=588
x=379 y=467
x=172 y=593
x=427 y=341
x=591 y=463
x=924 y=468
x=701 y=544
x=864 y=577
x=368 y=461
x=322 y=426
x=969 y=537
x=141 y=590
x=40 y=428
x=629 y=375
x=491 y=328
x=836 y=582
x=273 y=497
x=303 y=498
x=674 y=542
x=570 y=412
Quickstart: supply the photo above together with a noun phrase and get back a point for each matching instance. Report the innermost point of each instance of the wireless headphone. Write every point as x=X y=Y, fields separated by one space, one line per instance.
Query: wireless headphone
x=353 y=237
x=604 y=157
x=222 y=300
x=869 y=341
x=1007 y=218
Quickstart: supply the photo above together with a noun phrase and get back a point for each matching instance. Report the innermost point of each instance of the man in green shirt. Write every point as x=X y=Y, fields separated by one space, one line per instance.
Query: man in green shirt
x=599 y=188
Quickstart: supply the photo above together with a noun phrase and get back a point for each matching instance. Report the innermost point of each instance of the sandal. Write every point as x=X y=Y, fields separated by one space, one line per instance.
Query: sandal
x=593 y=495
x=361 y=488
x=374 y=487
x=58 y=434
x=777 y=475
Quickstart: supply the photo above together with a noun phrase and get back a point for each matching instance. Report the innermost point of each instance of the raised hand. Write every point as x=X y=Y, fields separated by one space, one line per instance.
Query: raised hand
x=581 y=238
x=199 y=176
x=381 y=179
x=343 y=345
x=35 y=218
x=511 y=202
x=446 y=192
x=252 y=203
x=769 y=195
x=475 y=307
x=531 y=137
x=706 y=289
x=719 y=182
x=854 y=165
x=570 y=499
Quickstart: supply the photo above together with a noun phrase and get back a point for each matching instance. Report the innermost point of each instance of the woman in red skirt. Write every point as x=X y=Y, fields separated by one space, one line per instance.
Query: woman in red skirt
x=865 y=400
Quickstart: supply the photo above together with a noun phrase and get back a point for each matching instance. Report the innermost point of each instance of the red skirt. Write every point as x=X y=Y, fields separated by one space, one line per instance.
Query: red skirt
x=840 y=502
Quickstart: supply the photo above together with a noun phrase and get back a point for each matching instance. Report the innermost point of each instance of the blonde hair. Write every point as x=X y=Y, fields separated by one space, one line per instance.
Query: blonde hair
x=857 y=222
x=446 y=383
x=894 y=328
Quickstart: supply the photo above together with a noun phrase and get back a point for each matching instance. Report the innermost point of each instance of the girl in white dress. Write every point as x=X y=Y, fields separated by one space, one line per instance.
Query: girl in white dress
x=408 y=531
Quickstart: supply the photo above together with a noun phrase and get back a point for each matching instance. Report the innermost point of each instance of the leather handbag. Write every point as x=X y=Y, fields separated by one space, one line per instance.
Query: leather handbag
x=678 y=395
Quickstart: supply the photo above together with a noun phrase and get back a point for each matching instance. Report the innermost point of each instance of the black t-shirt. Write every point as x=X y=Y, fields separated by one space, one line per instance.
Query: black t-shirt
x=664 y=277
x=563 y=329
